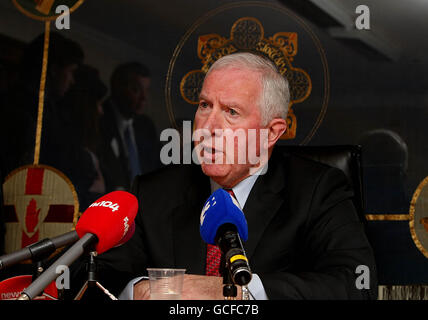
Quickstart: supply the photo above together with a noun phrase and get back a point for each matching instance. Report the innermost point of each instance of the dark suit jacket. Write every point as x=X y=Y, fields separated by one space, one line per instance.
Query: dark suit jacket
x=305 y=239
x=113 y=159
x=111 y=151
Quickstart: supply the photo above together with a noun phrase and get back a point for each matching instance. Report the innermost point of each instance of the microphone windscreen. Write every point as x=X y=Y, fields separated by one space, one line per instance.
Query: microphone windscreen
x=109 y=218
x=219 y=209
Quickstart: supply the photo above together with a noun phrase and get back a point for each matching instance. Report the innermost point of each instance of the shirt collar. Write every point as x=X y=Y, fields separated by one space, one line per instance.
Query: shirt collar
x=242 y=189
x=122 y=123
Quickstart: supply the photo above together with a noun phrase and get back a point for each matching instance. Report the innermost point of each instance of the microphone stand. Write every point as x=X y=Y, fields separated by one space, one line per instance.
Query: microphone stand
x=229 y=288
x=38 y=269
x=92 y=278
x=40 y=251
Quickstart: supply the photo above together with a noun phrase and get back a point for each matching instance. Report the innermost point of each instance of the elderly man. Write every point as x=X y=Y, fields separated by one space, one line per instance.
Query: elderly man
x=305 y=240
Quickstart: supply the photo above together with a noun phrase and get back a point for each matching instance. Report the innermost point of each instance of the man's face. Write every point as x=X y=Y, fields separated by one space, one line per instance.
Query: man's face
x=133 y=95
x=228 y=102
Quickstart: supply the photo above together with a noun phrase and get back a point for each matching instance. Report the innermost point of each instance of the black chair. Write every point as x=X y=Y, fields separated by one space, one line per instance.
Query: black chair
x=344 y=157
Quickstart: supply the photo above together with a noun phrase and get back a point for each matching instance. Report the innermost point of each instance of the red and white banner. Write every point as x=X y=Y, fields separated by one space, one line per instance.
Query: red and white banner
x=39 y=202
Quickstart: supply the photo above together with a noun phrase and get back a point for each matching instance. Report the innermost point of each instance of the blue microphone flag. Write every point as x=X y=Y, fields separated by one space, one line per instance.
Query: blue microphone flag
x=219 y=209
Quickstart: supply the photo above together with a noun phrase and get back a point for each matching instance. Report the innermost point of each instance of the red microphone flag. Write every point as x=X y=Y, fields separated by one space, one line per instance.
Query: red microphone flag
x=117 y=208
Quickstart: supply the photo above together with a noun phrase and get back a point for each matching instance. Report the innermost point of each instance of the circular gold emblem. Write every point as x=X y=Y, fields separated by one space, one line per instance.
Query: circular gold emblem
x=265 y=29
x=419 y=217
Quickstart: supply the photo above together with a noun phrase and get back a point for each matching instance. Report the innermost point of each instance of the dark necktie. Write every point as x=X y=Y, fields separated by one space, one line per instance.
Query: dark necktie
x=134 y=162
x=214 y=254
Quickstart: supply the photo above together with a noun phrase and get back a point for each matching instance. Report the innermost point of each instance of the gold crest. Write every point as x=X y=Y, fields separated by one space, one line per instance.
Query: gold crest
x=419 y=217
x=247 y=34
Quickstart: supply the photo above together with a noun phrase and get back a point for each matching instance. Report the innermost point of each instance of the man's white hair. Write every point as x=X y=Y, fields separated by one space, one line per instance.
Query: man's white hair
x=275 y=95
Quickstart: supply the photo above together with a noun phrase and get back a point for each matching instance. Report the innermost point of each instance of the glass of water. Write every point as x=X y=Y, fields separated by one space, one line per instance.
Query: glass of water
x=165 y=283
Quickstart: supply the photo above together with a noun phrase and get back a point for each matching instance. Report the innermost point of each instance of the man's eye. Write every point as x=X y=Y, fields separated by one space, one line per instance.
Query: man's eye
x=232 y=112
x=203 y=105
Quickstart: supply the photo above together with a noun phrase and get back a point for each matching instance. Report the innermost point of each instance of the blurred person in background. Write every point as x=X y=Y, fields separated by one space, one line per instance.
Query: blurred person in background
x=20 y=104
x=129 y=138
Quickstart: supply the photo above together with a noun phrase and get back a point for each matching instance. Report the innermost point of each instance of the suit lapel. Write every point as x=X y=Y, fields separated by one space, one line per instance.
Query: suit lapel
x=115 y=141
x=111 y=129
x=189 y=248
x=264 y=201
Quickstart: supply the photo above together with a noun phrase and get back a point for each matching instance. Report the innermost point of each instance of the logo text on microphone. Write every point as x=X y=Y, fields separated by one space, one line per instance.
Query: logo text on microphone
x=125 y=226
x=205 y=209
x=108 y=204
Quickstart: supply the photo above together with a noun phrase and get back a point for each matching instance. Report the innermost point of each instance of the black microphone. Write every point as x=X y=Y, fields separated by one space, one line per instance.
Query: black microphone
x=223 y=223
x=39 y=250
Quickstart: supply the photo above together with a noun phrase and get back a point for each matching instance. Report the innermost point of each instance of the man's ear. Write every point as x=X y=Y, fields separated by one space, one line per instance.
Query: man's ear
x=276 y=128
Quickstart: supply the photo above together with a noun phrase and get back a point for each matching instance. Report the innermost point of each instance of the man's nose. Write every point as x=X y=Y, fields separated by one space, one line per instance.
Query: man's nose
x=213 y=122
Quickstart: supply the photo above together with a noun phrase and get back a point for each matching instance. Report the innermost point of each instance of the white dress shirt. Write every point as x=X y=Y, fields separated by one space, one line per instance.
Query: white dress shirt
x=122 y=125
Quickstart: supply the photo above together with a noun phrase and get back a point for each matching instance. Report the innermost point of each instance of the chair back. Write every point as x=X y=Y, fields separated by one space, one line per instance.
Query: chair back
x=344 y=157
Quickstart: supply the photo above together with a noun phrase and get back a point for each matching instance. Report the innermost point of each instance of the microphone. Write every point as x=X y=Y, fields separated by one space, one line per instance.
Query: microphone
x=43 y=248
x=103 y=225
x=223 y=223
x=109 y=218
x=38 y=250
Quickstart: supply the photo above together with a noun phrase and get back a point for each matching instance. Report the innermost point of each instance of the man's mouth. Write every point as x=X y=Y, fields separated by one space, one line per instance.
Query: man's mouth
x=211 y=154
